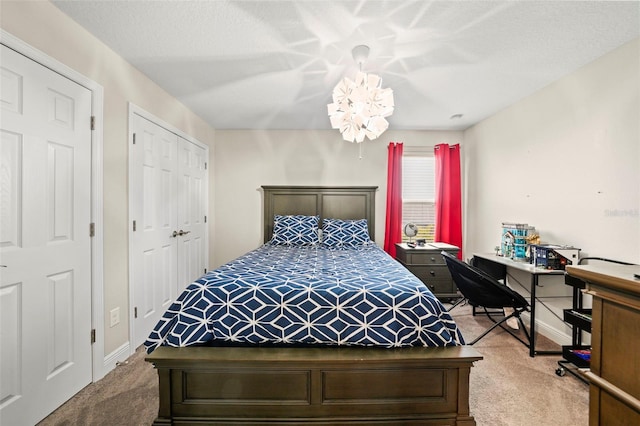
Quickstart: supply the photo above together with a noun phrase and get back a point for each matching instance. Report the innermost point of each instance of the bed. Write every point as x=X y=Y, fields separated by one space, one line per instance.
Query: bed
x=219 y=363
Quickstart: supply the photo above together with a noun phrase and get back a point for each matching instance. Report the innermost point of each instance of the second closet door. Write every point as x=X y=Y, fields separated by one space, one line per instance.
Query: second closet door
x=191 y=212
x=168 y=205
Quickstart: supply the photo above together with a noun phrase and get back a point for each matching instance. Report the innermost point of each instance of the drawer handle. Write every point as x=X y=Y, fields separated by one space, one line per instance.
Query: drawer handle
x=433 y=259
x=433 y=273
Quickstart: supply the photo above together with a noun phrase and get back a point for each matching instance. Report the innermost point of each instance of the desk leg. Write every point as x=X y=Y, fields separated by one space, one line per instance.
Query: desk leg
x=532 y=317
x=532 y=323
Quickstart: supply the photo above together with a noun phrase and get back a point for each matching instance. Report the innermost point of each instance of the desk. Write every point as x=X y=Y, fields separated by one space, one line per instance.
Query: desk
x=497 y=267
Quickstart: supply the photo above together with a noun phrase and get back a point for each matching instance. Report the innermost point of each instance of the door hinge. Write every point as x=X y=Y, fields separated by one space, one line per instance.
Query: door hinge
x=205 y=270
x=93 y=122
x=135 y=312
x=92 y=229
x=134 y=226
x=134 y=138
x=205 y=165
x=93 y=335
x=205 y=219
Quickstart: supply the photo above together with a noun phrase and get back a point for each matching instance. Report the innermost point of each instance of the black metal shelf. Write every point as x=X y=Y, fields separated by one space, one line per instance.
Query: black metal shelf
x=579 y=318
x=569 y=354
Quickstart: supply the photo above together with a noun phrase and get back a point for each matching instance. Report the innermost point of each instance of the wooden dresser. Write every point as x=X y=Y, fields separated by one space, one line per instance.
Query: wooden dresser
x=614 y=393
x=426 y=263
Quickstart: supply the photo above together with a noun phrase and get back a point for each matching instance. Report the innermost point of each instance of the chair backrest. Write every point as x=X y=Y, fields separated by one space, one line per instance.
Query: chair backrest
x=480 y=288
x=497 y=271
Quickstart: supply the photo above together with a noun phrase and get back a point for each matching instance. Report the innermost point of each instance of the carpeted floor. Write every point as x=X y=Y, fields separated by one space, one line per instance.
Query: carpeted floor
x=508 y=388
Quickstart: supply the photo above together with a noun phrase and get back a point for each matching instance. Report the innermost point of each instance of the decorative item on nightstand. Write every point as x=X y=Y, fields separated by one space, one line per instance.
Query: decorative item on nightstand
x=426 y=263
x=411 y=230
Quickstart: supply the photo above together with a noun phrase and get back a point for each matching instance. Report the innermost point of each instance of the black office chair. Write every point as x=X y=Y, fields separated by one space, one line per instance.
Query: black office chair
x=483 y=291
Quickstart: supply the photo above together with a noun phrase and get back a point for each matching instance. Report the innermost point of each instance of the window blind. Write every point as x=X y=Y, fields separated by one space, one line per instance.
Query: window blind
x=418 y=194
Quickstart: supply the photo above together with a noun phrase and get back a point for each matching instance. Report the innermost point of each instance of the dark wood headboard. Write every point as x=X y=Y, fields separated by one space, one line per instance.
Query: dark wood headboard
x=339 y=202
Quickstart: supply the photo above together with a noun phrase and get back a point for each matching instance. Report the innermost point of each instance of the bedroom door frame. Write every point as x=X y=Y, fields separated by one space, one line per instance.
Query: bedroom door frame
x=133 y=111
x=98 y=362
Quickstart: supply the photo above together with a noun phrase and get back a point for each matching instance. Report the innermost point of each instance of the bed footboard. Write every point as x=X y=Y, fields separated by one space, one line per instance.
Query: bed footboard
x=222 y=385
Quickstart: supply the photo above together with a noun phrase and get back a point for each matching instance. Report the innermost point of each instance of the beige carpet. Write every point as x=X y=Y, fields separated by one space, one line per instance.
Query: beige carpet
x=508 y=388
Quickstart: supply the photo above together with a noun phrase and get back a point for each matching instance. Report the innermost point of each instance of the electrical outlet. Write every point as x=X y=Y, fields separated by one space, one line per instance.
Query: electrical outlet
x=115 y=316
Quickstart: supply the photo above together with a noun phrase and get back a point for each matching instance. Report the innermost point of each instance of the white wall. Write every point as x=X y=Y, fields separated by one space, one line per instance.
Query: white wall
x=245 y=160
x=565 y=160
x=44 y=27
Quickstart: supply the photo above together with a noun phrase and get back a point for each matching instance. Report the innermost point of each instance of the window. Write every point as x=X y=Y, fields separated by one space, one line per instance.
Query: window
x=418 y=192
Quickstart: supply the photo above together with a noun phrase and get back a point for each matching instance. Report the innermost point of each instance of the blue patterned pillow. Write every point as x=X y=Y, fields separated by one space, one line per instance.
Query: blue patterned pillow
x=295 y=230
x=345 y=233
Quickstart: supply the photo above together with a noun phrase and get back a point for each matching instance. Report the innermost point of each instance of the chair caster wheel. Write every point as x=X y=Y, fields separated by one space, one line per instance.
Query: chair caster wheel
x=560 y=371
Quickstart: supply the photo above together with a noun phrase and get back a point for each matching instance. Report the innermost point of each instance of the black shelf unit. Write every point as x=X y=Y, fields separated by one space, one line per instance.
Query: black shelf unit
x=580 y=320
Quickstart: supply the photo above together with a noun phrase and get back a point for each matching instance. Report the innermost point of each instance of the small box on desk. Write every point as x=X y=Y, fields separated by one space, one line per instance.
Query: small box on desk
x=550 y=256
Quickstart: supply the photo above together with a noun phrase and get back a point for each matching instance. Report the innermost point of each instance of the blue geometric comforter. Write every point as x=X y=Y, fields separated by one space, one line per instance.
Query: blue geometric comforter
x=308 y=295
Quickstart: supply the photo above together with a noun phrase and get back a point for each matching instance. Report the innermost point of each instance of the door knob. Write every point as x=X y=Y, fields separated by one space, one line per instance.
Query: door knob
x=181 y=232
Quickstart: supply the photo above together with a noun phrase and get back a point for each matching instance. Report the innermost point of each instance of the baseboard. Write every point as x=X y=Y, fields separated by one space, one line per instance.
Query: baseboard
x=548 y=331
x=119 y=355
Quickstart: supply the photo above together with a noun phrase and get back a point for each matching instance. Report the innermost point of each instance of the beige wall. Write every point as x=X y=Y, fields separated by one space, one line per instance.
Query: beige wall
x=43 y=26
x=566 y=160
x=246 y=160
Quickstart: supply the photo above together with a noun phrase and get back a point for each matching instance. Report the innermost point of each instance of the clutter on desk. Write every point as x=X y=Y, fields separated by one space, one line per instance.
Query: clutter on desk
x=516 y=237
x=550 y=256
x=521 y=242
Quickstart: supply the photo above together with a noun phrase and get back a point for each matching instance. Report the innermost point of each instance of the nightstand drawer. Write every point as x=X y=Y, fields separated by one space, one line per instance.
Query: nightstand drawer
x=428 y=274
x=429 y=266
x=427 y=258
x=439 y=285
x=442 y=289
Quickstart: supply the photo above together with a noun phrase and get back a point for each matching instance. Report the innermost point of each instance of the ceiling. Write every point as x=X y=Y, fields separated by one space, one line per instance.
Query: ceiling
x=273 y=64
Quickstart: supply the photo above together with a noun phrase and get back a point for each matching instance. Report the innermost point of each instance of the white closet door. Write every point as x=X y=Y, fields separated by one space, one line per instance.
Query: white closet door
x=45 y=288
x=168 y=204
x=153 y=245
x=191 y=212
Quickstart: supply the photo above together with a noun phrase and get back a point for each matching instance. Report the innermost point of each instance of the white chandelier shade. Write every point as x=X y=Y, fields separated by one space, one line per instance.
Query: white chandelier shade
x=359 y=107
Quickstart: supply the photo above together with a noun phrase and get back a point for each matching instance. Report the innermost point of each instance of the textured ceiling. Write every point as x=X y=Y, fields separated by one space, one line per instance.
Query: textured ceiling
x=273 y=64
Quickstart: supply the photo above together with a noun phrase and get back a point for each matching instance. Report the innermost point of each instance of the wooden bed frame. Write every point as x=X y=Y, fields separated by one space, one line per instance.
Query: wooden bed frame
x=320 y=385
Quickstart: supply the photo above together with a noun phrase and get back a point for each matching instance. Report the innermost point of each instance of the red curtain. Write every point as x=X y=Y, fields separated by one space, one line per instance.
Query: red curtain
x=393 y=222
x=448 y=195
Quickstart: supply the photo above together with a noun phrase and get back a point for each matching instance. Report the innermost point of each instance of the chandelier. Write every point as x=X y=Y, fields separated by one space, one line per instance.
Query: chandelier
x=359 y=107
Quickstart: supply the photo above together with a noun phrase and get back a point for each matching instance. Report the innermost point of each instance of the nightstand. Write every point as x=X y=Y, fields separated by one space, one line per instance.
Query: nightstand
x=427 y=263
